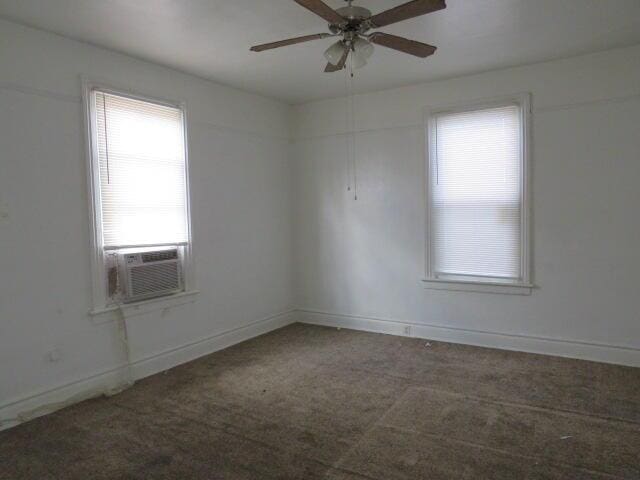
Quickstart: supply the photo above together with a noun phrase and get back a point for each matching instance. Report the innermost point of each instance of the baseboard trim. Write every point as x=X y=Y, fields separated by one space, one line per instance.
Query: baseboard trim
x=113 y=380
x=597 y=352
x=185 y=353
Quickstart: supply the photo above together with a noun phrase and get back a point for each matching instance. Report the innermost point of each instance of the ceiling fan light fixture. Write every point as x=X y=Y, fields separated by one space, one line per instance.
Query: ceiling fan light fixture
x=358 y=60
x=363 y=48
x=334 y=53
x=361 y=52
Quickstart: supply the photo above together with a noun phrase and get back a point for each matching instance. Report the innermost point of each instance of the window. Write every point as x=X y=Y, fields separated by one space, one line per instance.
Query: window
x=139 y=185
x=477 y=213
x=141 y=159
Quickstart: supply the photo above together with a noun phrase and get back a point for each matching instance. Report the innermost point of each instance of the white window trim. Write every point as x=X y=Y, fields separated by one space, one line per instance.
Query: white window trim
x=143 y=307
x=480 y=284
x=100 y=303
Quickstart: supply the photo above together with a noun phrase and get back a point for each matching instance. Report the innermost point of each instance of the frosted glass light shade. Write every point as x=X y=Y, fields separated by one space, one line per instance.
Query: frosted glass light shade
x=334 y=53
x=362 y=51
x=363 y=48
x=358 y=60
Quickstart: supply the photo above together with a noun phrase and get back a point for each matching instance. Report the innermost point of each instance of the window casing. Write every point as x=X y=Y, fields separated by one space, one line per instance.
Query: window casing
x=138 y=179
x=478 y=196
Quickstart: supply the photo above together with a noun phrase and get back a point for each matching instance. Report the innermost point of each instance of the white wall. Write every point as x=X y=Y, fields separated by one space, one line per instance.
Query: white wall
x=360 y=263
x=241 y=217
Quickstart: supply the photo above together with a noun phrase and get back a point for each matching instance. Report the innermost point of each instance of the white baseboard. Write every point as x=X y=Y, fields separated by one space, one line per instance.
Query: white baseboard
x=597 y=352
x=185 y=353
x=112 y=380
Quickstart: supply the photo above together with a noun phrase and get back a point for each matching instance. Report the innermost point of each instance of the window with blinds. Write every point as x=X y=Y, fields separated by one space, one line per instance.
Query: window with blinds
x=142 y=172
x=477 y=195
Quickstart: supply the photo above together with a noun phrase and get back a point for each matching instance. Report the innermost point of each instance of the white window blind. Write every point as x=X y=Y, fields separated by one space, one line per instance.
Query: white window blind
x=477 y=193
x=141 y=156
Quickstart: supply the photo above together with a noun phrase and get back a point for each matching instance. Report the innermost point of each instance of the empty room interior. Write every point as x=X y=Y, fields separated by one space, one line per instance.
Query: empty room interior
x=320 y=239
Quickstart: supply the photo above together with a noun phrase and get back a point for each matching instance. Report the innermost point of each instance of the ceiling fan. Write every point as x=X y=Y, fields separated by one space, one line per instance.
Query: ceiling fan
x=353 y=23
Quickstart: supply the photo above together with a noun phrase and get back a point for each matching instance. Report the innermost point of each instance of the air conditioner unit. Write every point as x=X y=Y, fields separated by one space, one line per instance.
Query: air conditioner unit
x=150 y=273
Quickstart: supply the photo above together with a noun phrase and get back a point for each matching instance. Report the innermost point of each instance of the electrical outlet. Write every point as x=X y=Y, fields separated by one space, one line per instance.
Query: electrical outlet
x=407 y=330
x=53 y=356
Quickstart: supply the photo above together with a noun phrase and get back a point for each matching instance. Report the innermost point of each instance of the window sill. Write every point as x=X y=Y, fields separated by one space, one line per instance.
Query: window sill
x=477 y=286
x=146 y=306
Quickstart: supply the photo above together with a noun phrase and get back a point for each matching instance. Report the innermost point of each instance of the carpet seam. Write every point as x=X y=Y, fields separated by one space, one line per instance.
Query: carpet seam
x=542 y=460
x=514 y=404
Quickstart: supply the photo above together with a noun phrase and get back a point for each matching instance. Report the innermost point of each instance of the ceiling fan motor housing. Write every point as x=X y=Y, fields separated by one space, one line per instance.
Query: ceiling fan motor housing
x=354 y=13
x=355 y=22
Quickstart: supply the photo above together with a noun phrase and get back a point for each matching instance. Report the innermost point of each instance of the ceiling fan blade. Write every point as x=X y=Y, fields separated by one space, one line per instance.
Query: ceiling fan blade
x=322 y=9
x=289 y=41
x=407 y=11
x=336 y=68
x=405 y=45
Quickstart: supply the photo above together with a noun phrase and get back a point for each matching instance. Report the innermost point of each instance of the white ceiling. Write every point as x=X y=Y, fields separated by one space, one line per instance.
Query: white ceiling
x=211 y=38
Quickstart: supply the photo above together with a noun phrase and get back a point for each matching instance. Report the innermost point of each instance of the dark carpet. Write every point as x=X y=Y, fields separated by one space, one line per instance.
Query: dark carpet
x=308 y=402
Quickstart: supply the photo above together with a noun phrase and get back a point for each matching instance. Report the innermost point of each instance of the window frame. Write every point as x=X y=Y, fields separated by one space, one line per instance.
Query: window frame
x=100 y=299
x=523 y=285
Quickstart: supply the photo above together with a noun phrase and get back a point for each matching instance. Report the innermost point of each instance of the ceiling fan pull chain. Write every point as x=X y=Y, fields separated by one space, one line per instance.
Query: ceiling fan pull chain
x=347 y=136
x=353 y=129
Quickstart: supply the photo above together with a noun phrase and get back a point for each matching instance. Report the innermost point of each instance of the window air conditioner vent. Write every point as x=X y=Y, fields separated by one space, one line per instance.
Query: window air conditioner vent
x=158 y=256
x=150 y=274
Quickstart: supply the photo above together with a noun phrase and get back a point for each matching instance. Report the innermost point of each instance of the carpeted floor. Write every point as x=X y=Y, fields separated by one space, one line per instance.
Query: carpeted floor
x=309 y=402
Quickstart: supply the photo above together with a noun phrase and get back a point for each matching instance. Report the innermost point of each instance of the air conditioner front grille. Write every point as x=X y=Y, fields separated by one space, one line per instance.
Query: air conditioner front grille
x=154 y=279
